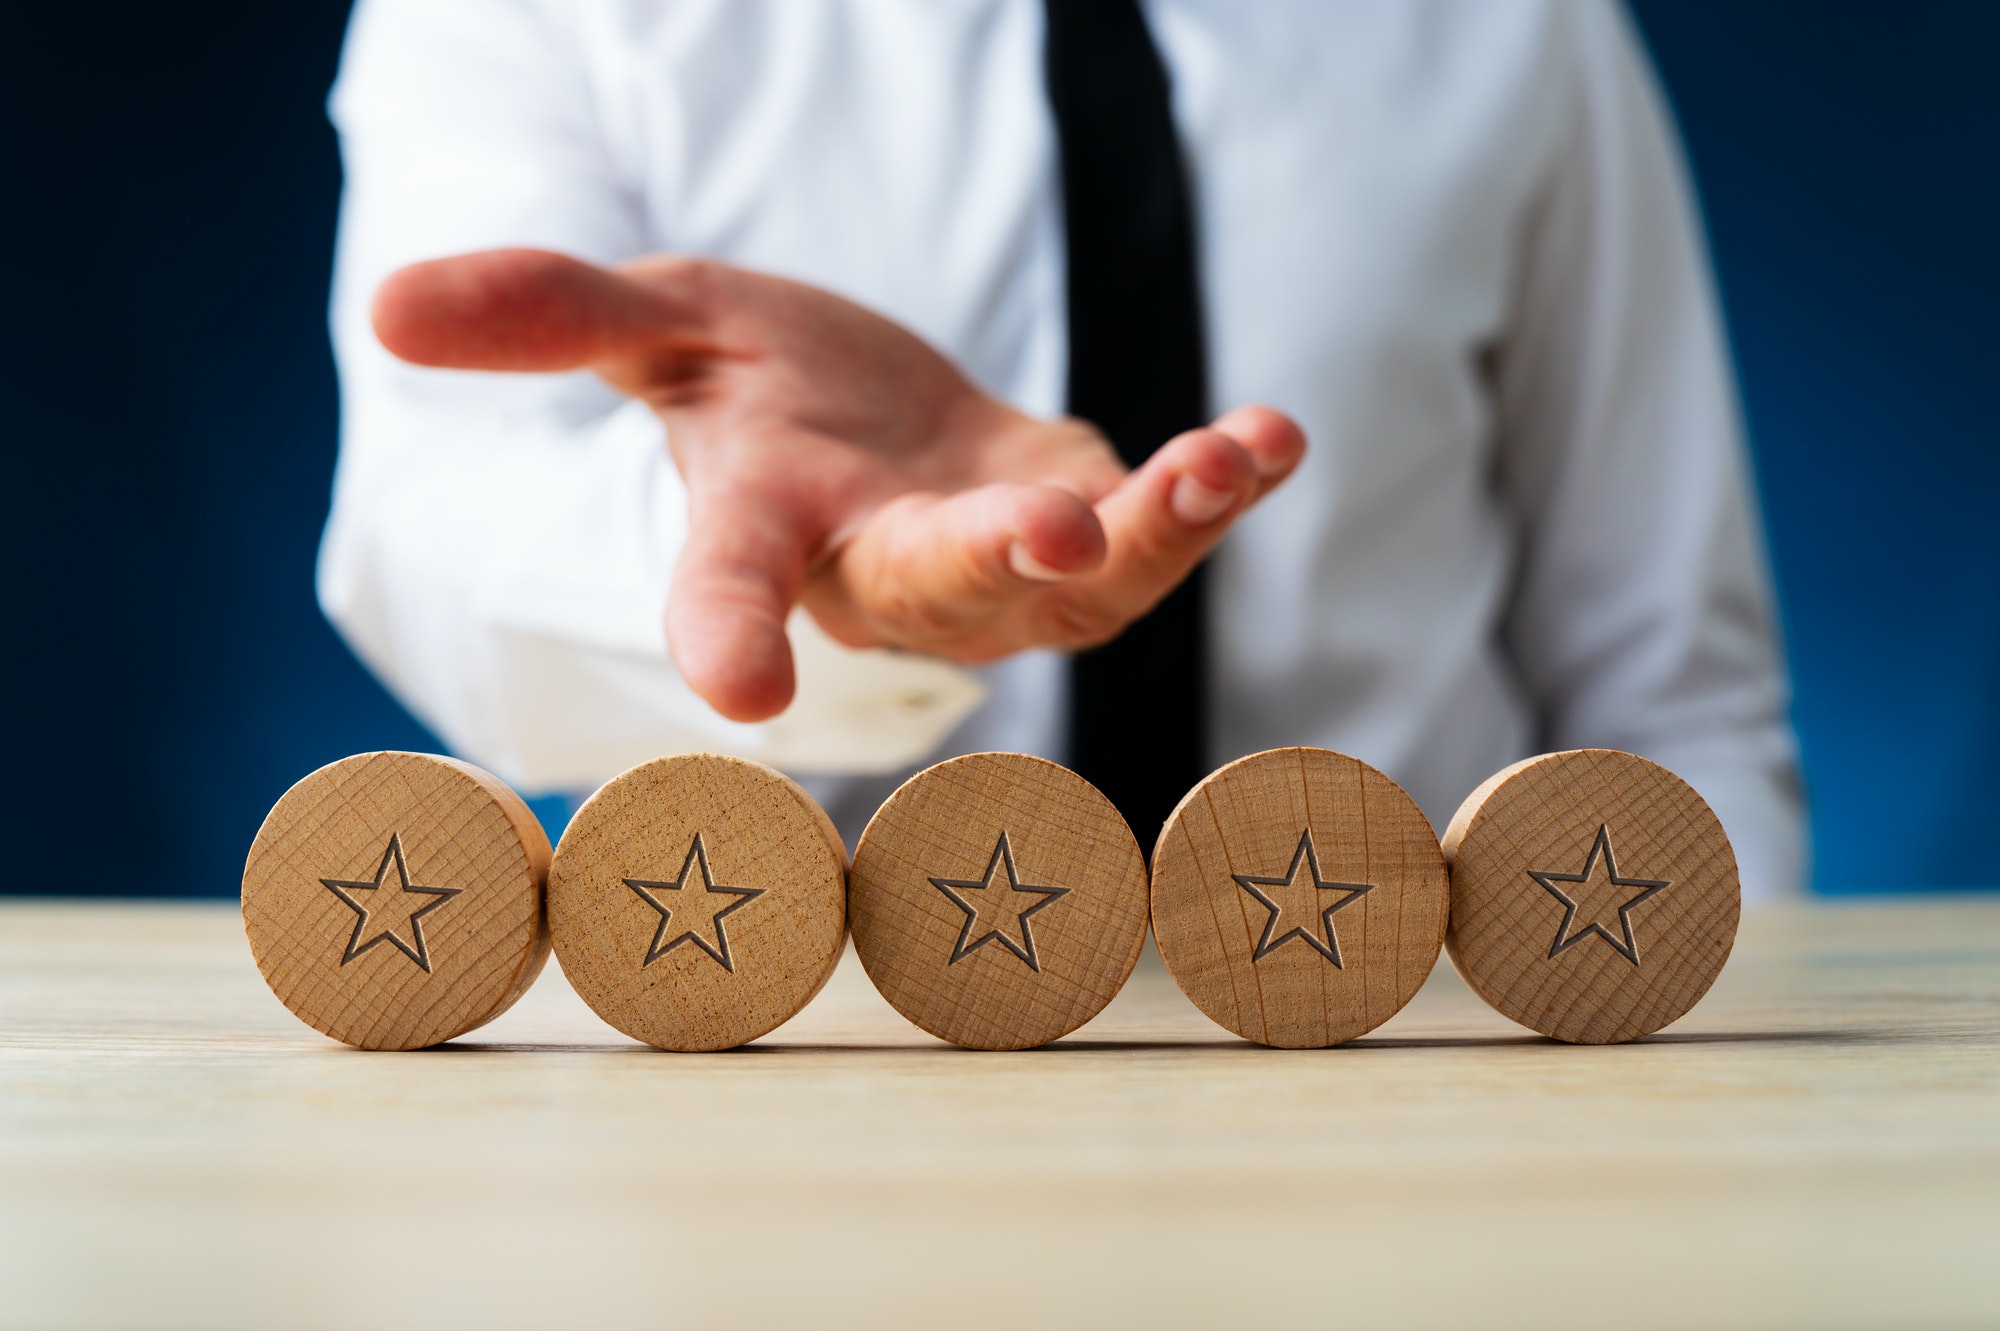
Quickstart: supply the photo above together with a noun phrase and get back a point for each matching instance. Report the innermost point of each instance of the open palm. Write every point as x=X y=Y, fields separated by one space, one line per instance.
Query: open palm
x=834 y=459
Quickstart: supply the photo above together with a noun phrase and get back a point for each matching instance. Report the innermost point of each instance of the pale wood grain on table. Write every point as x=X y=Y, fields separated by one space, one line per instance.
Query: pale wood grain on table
x=1817 y=1144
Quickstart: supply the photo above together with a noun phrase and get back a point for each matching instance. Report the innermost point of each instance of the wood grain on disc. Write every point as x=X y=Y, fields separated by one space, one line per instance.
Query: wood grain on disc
x=1594 y=895
x=1299 y=897
x=394 y=900
x=698 y=901
x=998 y=900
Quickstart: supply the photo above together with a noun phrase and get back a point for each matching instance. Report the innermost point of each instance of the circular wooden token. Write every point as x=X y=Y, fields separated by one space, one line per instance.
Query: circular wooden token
x=1299 y=897
x=1593 y=895
x=394 y=900
x=698 y=901
x=998 y=900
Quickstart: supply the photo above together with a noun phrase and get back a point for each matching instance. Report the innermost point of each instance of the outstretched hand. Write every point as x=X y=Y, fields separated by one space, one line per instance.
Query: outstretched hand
x=833 y=459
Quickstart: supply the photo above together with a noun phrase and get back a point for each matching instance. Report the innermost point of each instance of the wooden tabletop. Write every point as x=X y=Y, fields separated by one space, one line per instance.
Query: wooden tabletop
x=1816 y=1144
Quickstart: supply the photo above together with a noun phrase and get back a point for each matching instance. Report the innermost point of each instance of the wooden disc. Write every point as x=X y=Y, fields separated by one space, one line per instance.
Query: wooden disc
x=998 y=901
x=394 y=900
x=698 y=901
x=1593 y=895
x=1299 y=897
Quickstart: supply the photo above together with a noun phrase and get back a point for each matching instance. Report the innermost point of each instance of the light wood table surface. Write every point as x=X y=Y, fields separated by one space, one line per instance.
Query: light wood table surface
x=1817 y=1144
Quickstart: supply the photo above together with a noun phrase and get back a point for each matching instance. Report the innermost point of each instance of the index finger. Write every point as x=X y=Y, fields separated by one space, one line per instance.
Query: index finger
x=738 y=576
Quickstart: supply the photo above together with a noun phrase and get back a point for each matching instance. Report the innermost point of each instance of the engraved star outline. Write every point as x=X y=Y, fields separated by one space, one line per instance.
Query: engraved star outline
x=1628 y=948
x=342 y=887
x=697 y=857
x=1003 y=855
x=1329 y=945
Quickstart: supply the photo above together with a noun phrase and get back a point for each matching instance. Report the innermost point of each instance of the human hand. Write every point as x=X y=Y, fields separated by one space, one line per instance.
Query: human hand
x=833 y=459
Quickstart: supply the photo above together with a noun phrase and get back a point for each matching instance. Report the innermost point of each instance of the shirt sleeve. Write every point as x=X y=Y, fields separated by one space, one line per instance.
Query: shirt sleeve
x=499 y=546
x=1642 y=617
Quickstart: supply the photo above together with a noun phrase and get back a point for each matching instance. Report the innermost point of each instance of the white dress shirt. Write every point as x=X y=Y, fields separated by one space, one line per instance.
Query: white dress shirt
x=1453 y=240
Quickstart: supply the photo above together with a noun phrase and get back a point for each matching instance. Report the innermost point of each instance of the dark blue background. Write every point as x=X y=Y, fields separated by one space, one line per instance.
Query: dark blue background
x=168 y=403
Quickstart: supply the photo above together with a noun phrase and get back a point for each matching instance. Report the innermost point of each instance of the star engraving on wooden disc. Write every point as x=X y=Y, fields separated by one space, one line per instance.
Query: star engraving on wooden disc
x=991 y=909
x=1296 y=898
x=1596 y=896
x=697 y=912
x=395 y=904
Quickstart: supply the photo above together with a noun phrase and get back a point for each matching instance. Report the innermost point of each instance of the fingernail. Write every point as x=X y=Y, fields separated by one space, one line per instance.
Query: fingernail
x=1031 y=568
x=1197 y=504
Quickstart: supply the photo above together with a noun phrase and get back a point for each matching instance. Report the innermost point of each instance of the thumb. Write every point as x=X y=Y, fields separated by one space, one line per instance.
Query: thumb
x=524 y=309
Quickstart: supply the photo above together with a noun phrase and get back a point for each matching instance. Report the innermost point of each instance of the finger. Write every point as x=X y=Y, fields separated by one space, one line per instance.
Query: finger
x=738 y=575
x=925 y=567
x=1274 y=441
x=523 y=309
x=1158 y=525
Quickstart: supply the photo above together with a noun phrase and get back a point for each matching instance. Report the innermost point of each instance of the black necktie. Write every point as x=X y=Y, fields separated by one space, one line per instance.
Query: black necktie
x=1137 y=371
